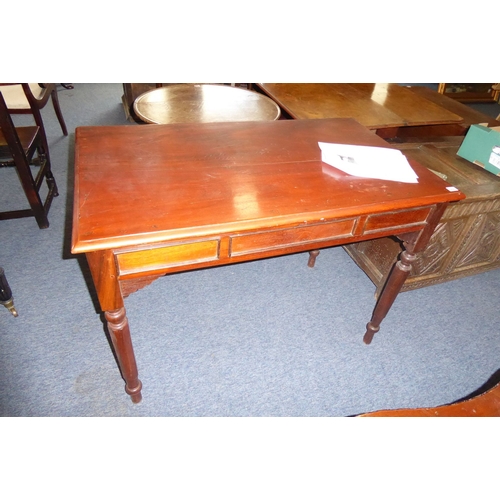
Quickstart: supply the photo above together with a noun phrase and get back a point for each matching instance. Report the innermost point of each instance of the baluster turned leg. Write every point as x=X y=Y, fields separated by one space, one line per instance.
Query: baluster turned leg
x=396 y=279
x=122 y=342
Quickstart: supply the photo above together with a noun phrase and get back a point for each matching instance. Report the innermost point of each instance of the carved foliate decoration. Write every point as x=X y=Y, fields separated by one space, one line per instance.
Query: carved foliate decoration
x=482 y=243
x=431 y=259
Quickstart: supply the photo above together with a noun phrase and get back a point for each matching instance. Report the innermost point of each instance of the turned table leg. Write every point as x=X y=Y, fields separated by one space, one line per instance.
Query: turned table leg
x=413 y=243
x=120 y=336
x=396 y=279
x=312 y=257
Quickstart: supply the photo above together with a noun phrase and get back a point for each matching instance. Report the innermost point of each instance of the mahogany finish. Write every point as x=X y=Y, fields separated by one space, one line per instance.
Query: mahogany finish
x=203 y=103
x=384 y=107
x=484 y=405
x=154 y=200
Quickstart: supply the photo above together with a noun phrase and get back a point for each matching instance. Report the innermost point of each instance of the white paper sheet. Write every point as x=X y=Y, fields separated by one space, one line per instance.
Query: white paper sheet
x=367 y=161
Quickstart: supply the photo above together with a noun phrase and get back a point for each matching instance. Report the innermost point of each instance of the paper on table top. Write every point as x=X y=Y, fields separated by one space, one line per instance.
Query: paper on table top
x=368 y=161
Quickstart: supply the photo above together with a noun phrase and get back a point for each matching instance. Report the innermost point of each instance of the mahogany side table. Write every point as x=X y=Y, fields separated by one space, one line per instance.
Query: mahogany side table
x=159 y=199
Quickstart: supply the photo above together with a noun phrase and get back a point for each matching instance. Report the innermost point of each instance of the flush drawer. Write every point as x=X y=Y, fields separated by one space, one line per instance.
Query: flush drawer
x=165 y=257
x=289 y=237
x=396 y=220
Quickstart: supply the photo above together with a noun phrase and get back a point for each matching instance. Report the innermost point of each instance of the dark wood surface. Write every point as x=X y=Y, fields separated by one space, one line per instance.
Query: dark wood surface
x=376 y=106
x=467 y=240
x=470 y=116
x=203 y=103
x=21 y=147
x=6 y=298
x=164 y=198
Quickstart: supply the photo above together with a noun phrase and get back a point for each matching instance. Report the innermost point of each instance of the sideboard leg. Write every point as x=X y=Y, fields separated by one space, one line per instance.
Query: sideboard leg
x=122 y=342
x=395 y=281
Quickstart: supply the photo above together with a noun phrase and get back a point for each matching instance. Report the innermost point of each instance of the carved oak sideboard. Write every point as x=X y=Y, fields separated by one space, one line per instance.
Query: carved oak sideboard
x=467 y=240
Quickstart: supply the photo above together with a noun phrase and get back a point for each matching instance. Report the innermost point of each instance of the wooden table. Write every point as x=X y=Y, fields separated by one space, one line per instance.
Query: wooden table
x=154 y=200
x=470 y=115
x=203 y=103
x=384 y=107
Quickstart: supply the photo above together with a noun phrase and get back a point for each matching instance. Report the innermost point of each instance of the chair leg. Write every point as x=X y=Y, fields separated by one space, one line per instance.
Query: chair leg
x=46 y=171
x=6 y=294
x=30 y=189
x=57 y=109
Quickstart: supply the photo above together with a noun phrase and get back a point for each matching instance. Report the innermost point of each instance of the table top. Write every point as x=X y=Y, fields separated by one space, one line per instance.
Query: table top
x=203 y=103
x=469 y=115
x=141 y=185
x=374 y=105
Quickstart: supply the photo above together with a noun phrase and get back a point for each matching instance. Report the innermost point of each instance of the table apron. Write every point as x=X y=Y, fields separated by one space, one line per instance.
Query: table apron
x=221 y=249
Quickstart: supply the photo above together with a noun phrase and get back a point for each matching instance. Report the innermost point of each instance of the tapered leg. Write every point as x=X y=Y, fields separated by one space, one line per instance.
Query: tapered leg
x=312 y=257
x=6 y=294
x=396 y=279
x=120 y=336
x=57 y=109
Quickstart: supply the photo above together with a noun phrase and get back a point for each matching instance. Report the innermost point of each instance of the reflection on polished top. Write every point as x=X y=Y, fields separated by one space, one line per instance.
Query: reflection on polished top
x=203 y=103
x=158 y=183
x=374 y=105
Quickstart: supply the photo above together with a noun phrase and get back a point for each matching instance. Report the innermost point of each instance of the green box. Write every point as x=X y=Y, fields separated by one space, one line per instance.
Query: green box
x=481 y=146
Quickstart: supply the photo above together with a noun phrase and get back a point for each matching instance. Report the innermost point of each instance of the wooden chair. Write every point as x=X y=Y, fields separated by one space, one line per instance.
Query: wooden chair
x=30 y=98
x=21 y=147
x=6 y=294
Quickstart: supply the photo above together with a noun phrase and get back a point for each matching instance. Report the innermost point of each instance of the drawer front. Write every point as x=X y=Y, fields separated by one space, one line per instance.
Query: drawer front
x=268 y=240
x=165 y=257
x=397 y=220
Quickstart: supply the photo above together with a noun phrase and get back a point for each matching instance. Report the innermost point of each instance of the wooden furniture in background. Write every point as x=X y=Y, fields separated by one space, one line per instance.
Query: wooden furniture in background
x=131 y=91
x=203 y=103
x=6 y=294
x=170 y=198
x=470 y=116
x=19 y=148
x=30 y=98
x=470 y=92
x=466 y=241
x=383 y=107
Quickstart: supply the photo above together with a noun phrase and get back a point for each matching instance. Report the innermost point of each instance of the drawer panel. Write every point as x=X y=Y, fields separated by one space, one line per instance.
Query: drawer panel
x=396 y=220
x=268 y=240
x=166 y=257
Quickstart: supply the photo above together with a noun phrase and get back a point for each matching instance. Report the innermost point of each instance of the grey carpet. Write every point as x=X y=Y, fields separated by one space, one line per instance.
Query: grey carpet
x=264 y=338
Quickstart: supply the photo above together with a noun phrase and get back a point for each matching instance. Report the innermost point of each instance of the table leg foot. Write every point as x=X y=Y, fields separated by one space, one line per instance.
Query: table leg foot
x=312 y=257
x=135 y=395
x=120 y=336
x=370 y=332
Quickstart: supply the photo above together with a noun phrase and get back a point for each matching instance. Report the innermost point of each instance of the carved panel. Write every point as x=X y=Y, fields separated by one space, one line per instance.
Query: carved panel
x=483 y=241
x=464 y=209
